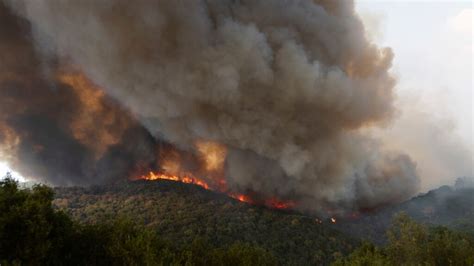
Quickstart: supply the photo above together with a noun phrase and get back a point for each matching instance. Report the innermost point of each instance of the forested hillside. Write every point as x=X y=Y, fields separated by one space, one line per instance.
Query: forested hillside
x=413 y=243
x=170 y=223
x=183 y=212
x=452 y=207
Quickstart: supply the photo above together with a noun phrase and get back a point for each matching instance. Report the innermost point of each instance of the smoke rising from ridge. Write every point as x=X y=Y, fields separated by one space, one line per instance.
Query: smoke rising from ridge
x=287 y=86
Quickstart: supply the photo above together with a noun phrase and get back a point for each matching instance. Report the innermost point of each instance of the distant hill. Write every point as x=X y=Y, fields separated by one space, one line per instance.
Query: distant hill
x=184 y=212
x=448 y=206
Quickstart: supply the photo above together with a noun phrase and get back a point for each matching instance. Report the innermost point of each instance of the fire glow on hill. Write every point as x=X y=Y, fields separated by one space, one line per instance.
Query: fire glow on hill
x=189 y=179
x=211 y=161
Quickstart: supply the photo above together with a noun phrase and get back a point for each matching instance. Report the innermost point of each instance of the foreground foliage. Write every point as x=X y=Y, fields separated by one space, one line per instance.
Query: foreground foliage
x=33 y=233
x=411 y=243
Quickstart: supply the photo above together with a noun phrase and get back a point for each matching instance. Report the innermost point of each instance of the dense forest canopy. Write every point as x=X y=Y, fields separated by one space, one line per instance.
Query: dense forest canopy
x=198 y=227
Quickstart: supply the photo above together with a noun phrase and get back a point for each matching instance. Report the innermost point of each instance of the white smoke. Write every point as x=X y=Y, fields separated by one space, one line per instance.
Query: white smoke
x=288 y=86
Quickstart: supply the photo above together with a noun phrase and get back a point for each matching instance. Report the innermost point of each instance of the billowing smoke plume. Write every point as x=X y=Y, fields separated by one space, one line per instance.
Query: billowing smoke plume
x=55 y=124
x=288 y=86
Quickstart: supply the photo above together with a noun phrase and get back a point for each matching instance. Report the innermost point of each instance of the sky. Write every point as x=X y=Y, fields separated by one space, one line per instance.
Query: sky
x=432 y=41
x=4 y=168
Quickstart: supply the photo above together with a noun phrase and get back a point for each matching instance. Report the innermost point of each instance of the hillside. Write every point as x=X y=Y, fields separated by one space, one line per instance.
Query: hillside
x=183 y=212
x=448 y=206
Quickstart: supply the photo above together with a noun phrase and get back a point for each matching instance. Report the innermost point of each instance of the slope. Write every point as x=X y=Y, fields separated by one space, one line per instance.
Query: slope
x=447 y=206
x=184 y=212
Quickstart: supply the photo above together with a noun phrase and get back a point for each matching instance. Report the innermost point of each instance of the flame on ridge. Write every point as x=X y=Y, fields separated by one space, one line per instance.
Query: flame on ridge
x=190 y=179
x=209 y=174
x=184 y=179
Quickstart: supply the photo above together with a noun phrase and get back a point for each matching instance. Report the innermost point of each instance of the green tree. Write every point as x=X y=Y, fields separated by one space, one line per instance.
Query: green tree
x=447 y=247
x=411 y=243
x=30 y=229
x=407 y=240
x=366 y=254
x=244 y=254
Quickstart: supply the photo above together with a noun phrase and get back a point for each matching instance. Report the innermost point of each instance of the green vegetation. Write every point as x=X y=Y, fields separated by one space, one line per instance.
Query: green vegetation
x=183 y=212
x=445 y=206
x=177 y=224
x=33 y=233
x=411 y=243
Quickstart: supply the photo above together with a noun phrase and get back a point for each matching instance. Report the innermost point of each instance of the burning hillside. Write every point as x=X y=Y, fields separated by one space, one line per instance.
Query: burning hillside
x=189 y=179
x=267 y=101
x=206 y=170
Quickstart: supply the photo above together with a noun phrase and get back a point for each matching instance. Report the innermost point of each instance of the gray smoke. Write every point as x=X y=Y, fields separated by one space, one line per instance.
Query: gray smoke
x=53 y=131
x=288 y=86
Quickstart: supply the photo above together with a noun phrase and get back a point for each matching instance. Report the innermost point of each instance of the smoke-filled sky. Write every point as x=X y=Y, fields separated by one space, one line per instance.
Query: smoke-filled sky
x=432 y=41
x=301 y=95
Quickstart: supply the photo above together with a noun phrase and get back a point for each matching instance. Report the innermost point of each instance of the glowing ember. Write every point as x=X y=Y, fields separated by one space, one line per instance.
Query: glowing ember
x=278 y=204
x=242 y=197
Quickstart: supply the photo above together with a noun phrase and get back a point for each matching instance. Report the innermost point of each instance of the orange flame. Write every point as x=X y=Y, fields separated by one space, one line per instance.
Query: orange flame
x=211 y=156
x=190 y=179
x=241 y=197
x=184 y=179
x=279 y=204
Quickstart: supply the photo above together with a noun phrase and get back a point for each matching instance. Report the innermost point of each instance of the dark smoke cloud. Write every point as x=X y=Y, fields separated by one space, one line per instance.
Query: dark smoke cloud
x=50 y=132
x=288 y=86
